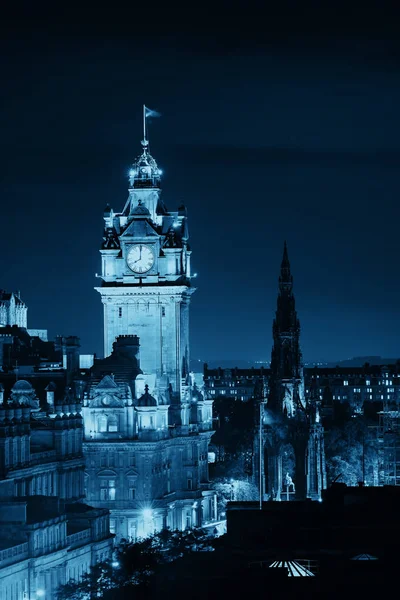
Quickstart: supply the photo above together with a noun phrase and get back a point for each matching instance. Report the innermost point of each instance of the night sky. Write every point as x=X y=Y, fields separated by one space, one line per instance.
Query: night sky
x=278 y=124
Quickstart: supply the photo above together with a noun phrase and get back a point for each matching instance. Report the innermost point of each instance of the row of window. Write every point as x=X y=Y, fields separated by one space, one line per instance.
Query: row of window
x=382 y=397
x=108 y=489
x=109 y=459
x=107 y=424
x=120 y=311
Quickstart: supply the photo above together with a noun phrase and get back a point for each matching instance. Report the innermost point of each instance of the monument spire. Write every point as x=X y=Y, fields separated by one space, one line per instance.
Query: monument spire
x=285 y=278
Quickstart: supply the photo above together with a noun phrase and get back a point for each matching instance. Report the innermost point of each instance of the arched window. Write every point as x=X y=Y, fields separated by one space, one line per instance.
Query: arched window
x=102 y=423
x=112 y=423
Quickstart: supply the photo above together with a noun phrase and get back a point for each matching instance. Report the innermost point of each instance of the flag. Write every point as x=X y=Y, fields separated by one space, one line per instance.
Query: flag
x=151 y=113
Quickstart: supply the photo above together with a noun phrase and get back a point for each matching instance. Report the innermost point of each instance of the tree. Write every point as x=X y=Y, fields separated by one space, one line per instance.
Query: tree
x=352 y=452
x=101 y=577
x=137 y=562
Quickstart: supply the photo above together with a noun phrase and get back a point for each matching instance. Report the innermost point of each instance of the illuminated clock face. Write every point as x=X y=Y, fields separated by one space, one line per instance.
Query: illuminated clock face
x=106 y=401
x=140 y=258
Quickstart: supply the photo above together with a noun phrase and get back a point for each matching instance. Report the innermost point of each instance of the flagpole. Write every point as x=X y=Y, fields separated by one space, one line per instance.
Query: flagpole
x=144 y=123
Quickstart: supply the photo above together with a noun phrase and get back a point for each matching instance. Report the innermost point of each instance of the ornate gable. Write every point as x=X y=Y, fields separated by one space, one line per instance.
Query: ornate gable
x=107 y=393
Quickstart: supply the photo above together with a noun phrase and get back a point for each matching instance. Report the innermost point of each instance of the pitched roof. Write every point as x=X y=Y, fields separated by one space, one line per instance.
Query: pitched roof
x=139 y=228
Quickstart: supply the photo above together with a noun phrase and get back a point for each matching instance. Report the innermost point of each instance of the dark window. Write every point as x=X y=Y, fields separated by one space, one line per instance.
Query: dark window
x=120 y=311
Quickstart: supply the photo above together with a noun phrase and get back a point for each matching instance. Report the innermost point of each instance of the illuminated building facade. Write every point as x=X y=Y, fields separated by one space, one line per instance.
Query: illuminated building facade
x=148 y=420
x=48 y=535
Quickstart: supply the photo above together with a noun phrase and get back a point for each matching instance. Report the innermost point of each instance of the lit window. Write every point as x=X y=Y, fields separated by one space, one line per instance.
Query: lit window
x=381 y=396
x=370 y=397
x=102 y=423
x=107 y=490
x=367 y=382
x=112 y=424
x=345 y=383
x=112 y=525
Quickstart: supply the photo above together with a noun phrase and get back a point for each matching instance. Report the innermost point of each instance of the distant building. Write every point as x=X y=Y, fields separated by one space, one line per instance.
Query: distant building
x=355 y=385
x=13 y=311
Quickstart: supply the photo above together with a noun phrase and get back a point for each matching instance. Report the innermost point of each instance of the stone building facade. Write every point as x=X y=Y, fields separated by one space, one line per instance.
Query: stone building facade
x=48 y=535
x=148 y=421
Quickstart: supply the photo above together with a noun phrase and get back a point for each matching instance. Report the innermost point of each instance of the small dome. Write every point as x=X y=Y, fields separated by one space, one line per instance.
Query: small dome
x=22 y=386
x=147 y=399
x=144 y=172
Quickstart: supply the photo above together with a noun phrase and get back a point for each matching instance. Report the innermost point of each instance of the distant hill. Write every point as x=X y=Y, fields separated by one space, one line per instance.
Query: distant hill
x=359 y=361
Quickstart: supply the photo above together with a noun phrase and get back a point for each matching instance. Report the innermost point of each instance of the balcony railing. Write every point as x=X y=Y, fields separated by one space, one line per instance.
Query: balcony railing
x=42 y=457
x=14 y=554
x=80 y=538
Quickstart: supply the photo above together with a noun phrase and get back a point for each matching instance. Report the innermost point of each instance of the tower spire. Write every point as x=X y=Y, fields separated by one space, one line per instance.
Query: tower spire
x=285 y=278
x=286 y=360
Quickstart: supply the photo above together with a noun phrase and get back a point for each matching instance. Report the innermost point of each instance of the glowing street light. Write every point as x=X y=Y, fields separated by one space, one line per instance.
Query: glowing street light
x=147 y=514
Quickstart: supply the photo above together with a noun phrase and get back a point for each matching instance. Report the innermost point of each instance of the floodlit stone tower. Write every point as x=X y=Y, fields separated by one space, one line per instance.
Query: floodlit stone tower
x=147 y=422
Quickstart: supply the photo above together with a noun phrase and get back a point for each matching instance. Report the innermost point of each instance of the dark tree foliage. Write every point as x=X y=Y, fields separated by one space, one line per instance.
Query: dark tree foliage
x=101 y=577
x=352 y=452
x=234 y=433
x=341 y=413
x=137 y=562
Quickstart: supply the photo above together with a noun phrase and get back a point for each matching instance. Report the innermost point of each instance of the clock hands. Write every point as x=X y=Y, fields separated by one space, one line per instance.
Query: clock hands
x=140 y=257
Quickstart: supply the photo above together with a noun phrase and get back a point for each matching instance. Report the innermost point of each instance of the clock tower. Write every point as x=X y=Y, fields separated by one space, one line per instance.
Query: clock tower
x=146 y=279
x=147 y=419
